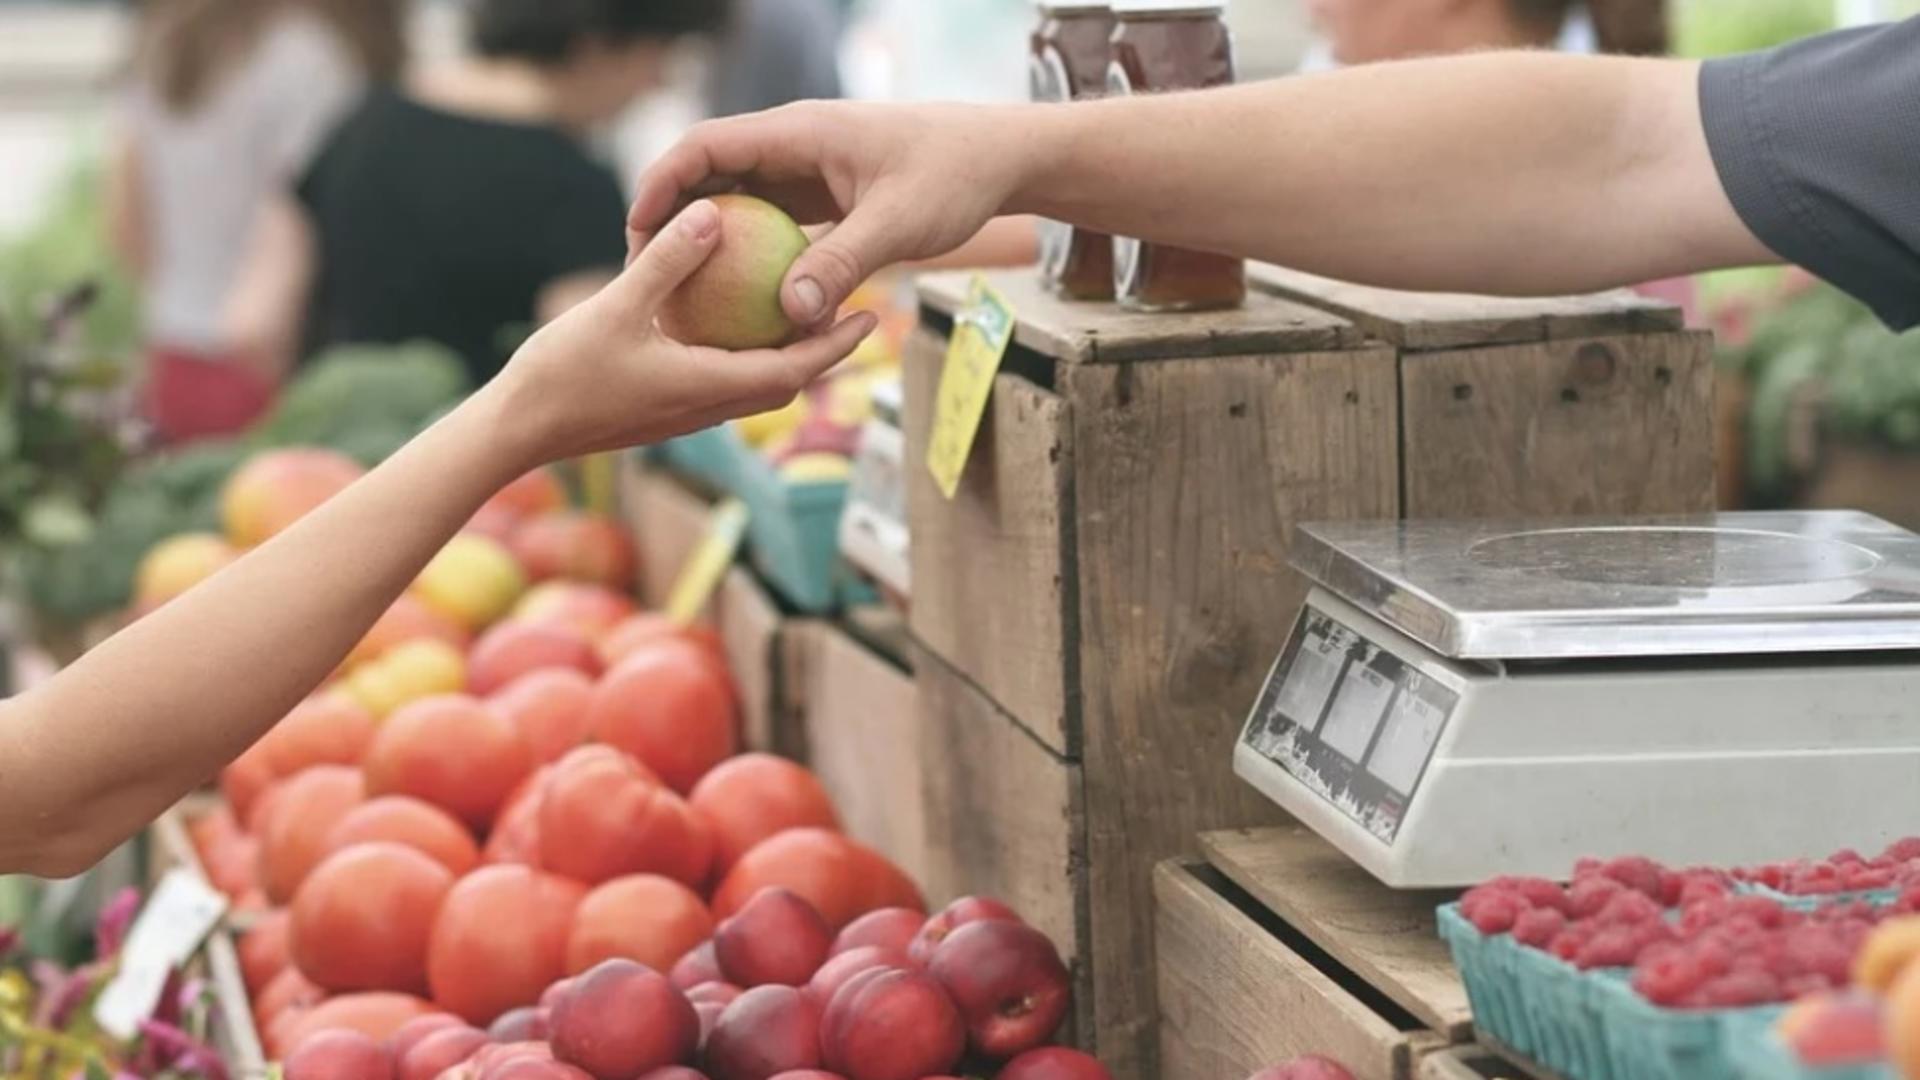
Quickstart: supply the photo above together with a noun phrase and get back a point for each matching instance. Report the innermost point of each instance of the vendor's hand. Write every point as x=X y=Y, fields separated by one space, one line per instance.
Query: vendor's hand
x=901 y=182
x=603 y=376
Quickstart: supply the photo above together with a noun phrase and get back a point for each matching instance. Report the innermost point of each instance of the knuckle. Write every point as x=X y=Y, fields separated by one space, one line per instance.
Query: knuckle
x=834 y=261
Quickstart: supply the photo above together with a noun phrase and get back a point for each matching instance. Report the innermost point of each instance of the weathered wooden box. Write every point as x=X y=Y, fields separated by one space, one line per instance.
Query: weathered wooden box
x=1102 y=598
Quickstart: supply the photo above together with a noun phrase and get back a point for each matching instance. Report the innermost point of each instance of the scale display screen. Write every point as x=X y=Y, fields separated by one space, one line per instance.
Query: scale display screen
x=1351 y=721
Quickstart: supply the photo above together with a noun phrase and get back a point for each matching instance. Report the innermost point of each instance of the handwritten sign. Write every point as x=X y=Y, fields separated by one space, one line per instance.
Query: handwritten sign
x=981 y=333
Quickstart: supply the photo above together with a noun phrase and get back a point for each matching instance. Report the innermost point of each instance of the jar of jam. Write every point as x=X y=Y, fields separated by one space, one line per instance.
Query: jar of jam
x=1070 y=51
x=1161 y=45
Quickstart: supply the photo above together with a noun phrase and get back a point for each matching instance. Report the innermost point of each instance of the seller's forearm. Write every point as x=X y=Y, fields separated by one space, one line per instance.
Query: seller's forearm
x=1528 y=173
x=153 y=730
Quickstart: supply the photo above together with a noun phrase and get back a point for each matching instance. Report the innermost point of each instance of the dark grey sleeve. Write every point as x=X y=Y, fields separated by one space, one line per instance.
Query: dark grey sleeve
x=1818 y=146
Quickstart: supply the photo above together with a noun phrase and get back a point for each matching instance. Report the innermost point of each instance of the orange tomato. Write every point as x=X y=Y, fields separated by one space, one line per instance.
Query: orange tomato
x=672 y=712
x=452 y=751
x=263 y=950
x=840 y=877
x=749 y=798
x=245 y=779
x=593 y=610
x=421 y=826
x=516 y=833
x=646 y=918
x=329 y=729
x=406 y=620
x=500 y=940
x=537 y=492
x=294 y=829
x=513 y=649
x=575 y=546
x=285 y=991
x=548 y=709
x=603 y=817
x=361 y=920
x=647 y=628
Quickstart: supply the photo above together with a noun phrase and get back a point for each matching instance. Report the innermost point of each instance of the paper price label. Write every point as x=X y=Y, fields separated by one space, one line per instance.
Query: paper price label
x=981 y=333
x=708 y=563
x=181 y=912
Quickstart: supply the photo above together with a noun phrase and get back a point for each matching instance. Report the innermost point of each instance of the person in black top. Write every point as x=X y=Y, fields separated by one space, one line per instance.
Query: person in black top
x=464 y=208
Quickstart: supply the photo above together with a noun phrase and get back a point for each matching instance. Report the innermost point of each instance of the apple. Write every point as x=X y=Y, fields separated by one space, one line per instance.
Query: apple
x=766 y=1031
x=621 y=1019
x=733 y=300
x=777 y=938
x=967 y=909
x=1009 y=982
x=894 y=1025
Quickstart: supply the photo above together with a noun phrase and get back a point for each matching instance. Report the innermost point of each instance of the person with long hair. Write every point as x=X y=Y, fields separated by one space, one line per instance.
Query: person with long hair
x=227 y=101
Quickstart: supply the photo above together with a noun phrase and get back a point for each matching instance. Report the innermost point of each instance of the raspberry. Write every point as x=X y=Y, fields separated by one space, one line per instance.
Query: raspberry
x=1815 y=879
x=1817 y=951
x=1628 y=908
x=1569 y=942
x=1493 y=912
x=1541 y=893
x=1586 y=867
x=1713 y=955
x=1696 y=890
x=1616 y=946
x=1590 y=894
x=1650 y=935
x=1704 y=914
x=1538 y=927
x=1863 y=878
x=1845 y=857
x=1636 y=872
x=1763 y=911
x=1805 y=985
x=1740 y=989
x=1668 y=979
x=1903 y=850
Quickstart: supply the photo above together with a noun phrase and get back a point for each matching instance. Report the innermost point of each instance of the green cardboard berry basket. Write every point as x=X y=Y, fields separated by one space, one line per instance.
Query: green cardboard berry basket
x=1759 y=1054
x=1531 y=1001
x=793 y=528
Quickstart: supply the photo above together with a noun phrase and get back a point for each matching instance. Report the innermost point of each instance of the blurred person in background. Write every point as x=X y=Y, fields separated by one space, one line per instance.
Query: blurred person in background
x=465 y=205
x=227 y=101
x=775 y=52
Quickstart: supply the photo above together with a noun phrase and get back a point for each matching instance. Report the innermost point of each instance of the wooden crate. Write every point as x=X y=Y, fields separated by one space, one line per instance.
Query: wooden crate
x=668 y=519
x=233 y=1029
x=854 y=708
x=1278 y=946
x=1562 y=406
x=1108 y=588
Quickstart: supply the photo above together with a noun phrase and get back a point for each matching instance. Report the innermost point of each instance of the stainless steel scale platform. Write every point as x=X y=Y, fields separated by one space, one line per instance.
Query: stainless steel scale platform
x=1464 y=699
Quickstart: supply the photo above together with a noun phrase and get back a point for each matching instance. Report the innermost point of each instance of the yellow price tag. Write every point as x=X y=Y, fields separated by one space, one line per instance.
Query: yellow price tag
x=599 y=476
x=708 y=563
x=981 y=333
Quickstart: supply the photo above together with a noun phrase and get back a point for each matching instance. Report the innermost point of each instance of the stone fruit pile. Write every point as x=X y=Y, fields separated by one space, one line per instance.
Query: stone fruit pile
x=515 y=836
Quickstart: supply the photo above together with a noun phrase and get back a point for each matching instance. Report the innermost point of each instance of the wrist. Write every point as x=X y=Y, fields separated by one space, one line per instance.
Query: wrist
x=1051 y=139
x=507 y=427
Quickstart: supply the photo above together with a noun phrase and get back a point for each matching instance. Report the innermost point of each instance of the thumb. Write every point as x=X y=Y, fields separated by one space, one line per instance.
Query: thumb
x=831 y=268
x=670 y=256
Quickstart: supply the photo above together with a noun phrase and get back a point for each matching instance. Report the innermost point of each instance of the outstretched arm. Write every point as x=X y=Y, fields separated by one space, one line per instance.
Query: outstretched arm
x=98 y=751
x=1520 y=172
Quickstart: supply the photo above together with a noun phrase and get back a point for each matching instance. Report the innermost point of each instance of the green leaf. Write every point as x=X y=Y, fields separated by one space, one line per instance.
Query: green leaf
x=97 y=1070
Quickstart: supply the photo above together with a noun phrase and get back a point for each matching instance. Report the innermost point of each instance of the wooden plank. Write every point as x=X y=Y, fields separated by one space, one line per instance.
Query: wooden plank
x=233 y=1032
x=883 y=630
x=863 y=741
x=1620 y=425
x=750 y=625
x=1386 y=937
x=1004 y=818
x=990 y=586
x=1234 y=999
x=1519 y=1063
x=1423 y=321
x=1188 y=478
x=1461 y=1063
x=1095 y=333
x=1882 y=482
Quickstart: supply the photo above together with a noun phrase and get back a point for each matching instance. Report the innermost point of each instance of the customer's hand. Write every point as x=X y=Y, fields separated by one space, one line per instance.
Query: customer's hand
x=603 y=376
x=902 y=182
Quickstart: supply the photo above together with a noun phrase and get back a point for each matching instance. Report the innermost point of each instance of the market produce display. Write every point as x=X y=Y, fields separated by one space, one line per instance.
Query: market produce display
x=515 y=835
x=1811 y=959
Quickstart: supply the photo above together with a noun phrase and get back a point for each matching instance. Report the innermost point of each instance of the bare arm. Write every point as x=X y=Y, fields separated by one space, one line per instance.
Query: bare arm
x=267 y=306
x=91 y=756
x=1493 y=173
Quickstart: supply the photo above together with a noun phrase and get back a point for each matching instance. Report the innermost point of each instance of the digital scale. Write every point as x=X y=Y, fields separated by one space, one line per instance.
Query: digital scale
x=1461 y=700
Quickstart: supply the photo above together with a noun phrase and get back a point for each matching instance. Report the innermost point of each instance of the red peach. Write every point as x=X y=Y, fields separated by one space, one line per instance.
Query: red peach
x=414 y=1032
x=888 y=928
x=1311 y=1067
x=777 y=938
x=339 y=1055
x=698 y=966
x=718 y=992
x=1054 y=1063
x=439 y=1051
x=525 y=1024
x=1009 y=982
x=967 y=909
x=766 y=1031
x=897 y=1025
x=838 y=971
x=621 y=1019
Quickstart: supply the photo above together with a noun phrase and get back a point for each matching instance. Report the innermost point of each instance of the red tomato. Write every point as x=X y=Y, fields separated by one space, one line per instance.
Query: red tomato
x=419 y=825
x=362 y=919
x=452 y=751
x=747 y=799
x=295 y=825
x=549 y=709
x=646 y=918
x=603 y=817
x=500 y=940
x=674 y=714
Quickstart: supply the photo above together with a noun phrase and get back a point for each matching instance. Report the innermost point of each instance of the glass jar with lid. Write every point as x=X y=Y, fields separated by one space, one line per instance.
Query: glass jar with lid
x=1071 y=47
x=1159 y=46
